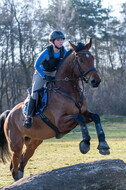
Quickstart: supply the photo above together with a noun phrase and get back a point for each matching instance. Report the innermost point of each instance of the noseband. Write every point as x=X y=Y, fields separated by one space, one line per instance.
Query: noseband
x=84 y=73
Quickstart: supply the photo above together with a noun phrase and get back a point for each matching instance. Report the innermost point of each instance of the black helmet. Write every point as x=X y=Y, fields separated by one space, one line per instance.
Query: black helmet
x=56 y=34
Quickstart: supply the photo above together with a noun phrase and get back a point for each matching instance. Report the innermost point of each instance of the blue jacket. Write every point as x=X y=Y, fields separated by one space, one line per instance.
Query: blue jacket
x=45 y=58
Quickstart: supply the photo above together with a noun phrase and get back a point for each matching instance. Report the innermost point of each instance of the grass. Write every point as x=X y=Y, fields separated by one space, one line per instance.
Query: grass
x=53 y=153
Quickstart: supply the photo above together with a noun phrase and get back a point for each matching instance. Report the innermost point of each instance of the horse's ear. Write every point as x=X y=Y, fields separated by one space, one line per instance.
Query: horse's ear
x=73 y=46
x=88 y=45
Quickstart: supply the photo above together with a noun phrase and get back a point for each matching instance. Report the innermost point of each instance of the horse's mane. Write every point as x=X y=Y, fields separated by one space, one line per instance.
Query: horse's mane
x=80 y=46
x=67 y=54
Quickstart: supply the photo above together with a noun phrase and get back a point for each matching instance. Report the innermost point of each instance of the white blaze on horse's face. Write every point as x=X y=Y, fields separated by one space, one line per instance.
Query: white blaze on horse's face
x=87 y=55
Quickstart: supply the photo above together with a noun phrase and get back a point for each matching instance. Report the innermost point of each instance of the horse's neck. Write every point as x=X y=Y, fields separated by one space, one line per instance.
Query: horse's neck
x=66 y=70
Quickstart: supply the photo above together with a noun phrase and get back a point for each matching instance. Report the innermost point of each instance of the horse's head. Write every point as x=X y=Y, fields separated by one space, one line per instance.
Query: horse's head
x=84 y=62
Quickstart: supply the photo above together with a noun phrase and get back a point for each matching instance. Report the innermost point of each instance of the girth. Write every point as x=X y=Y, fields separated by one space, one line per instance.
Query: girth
x=50 y=124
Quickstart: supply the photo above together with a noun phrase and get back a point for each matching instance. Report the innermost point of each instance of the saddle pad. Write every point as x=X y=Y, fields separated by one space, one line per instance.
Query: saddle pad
x=42 y=103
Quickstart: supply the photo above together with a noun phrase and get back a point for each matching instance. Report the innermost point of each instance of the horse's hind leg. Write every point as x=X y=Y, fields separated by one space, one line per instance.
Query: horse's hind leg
x=16 y=151
x=31 y=145
x=103 y=146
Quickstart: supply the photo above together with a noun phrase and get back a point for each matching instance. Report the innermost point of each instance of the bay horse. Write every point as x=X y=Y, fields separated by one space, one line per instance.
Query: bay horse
x=66 y=108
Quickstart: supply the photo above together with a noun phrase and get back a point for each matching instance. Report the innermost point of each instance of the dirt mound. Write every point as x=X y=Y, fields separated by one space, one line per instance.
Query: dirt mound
x=99 y=175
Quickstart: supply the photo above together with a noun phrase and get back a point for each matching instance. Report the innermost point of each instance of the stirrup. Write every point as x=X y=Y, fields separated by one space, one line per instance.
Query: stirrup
x=28 y=122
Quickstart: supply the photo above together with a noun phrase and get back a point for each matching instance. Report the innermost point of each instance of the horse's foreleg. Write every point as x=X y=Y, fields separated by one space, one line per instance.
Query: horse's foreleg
x=85 y=143
x=31 y=145
x=103 y=146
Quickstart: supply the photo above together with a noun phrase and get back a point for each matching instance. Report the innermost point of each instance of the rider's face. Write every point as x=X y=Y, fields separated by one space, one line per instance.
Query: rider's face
x=59 y=42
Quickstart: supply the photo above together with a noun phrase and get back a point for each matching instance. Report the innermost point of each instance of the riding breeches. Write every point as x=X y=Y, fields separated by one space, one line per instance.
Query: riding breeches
x=39 y=82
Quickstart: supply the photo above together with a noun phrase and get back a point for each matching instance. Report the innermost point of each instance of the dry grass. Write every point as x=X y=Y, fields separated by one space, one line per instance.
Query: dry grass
x=54 y=153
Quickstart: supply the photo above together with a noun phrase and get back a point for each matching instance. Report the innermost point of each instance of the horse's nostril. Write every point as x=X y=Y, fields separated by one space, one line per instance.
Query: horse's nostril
x=95 y=82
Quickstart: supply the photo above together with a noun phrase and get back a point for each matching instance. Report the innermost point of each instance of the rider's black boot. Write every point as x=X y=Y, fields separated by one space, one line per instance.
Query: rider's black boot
x=31 y=107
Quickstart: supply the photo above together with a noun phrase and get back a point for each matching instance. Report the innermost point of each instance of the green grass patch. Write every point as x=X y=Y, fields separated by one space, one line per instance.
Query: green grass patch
x=53 y=153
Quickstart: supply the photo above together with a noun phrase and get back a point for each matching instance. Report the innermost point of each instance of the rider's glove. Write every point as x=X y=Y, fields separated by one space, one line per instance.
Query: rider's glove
x=48 y=78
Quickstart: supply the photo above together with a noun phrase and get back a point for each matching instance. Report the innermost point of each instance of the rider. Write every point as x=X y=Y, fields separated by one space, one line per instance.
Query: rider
x=45 y=65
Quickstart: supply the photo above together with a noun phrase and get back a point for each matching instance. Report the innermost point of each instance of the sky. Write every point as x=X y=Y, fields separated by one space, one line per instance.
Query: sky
x=115 y=4
x=106 y=3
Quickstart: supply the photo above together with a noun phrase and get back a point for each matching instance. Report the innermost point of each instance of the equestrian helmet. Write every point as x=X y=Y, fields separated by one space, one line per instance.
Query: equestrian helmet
x=56 y=34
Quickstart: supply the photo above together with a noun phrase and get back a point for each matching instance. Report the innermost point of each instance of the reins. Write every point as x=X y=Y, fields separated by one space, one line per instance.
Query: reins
x=83 y=74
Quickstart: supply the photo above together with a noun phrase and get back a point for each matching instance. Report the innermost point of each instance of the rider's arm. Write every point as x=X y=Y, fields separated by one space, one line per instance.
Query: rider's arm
x=38 y=64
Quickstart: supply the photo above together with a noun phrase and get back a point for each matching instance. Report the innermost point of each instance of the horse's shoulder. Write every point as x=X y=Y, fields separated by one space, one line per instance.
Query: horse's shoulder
x=18 y=107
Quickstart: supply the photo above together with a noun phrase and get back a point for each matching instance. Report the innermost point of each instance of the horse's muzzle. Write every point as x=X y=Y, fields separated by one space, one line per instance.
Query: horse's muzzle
x=95 y=83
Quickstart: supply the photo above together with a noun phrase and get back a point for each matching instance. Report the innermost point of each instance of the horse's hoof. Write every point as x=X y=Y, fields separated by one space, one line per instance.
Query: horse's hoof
x=104 y=151
x=103 y=148
x=16 y=178
x=84 y=147
x=20 y=174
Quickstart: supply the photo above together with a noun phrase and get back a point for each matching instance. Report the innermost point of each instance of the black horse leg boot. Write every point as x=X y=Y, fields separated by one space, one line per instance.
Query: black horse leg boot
x=31 y=107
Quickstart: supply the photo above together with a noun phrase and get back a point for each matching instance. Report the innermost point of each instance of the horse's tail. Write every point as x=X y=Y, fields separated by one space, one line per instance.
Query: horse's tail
x=4 y=150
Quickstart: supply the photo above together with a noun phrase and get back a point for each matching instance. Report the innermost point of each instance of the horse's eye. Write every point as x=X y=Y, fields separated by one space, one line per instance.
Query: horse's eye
x=80 y=60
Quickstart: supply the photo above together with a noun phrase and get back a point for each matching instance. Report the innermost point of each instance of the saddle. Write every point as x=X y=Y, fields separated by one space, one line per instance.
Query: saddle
x=41 y=103
x=40 y=106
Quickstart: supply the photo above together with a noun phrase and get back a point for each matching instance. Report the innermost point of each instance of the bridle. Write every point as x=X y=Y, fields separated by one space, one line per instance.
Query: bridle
x=84 y=73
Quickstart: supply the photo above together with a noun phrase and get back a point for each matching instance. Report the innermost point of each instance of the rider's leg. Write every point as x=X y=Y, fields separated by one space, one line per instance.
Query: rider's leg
x=31 y=107
x=38 y=83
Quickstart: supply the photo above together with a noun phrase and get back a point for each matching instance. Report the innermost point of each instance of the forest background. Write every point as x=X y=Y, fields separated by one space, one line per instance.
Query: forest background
x=24 y=29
